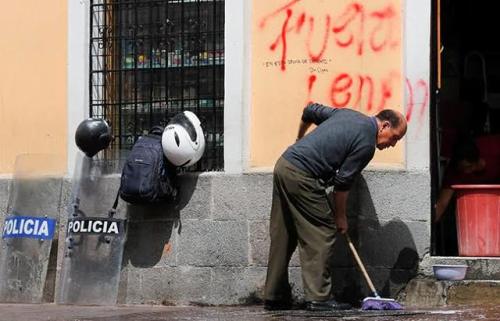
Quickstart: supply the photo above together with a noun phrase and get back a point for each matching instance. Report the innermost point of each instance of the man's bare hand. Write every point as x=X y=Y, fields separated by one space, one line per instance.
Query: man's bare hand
x=341 y=222
x=340 y=211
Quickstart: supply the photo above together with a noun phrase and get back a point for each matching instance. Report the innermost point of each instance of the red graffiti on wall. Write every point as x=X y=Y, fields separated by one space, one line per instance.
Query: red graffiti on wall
x=311 y=80
x=352 y=89
x=419 y=90
x=386 y=22
x=351 y=15
x=355 y=27
x=363 y=83
x=364 y=92
x=349 y=29
x=283 y=39
x=317 y=57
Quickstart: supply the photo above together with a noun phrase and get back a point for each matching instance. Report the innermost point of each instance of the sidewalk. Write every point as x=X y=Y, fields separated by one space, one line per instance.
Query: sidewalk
x=52 y=312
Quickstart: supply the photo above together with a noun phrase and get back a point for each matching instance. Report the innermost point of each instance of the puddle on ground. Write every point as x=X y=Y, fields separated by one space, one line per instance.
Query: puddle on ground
x=476 y=313
x=345 y=314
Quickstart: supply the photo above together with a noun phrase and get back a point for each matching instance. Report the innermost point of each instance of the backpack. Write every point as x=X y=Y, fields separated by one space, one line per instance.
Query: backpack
x=147 y=177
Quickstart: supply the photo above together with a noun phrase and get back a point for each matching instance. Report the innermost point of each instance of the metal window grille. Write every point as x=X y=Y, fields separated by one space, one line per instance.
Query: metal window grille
x=150 y=60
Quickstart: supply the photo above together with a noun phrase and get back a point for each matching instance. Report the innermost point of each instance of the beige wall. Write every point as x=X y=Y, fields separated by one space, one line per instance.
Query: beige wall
x=32 y=80
x=339 y=53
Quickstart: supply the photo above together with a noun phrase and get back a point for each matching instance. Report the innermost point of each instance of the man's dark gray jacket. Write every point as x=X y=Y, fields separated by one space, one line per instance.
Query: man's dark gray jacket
x=338 y=149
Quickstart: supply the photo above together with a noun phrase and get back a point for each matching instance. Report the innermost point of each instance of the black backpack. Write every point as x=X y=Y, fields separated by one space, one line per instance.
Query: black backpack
x=147 y=176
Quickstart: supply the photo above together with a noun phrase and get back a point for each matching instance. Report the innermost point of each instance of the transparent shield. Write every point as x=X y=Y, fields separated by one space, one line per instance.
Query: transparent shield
x=95 y=235
x=29 y=227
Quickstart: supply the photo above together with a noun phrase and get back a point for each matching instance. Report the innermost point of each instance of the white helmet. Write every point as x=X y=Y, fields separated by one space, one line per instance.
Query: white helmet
x=183 y=141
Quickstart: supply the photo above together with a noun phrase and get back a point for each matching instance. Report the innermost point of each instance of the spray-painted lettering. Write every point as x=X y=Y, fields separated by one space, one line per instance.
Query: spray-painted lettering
x=364 y=92
x=365 y=29
x=355 y=26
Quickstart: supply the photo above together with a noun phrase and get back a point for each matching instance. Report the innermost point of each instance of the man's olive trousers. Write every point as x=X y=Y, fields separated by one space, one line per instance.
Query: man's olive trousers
x=300 y=214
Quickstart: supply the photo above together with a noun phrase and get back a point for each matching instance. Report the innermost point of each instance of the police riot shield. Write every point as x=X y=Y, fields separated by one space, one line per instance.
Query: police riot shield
x=95 y=235
x=29 y=227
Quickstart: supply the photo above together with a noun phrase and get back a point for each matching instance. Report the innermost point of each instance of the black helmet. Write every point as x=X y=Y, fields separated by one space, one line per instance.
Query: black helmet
x=92 y=135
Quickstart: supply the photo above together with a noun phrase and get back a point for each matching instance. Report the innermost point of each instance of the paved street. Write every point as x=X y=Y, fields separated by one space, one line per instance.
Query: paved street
x=45 y=312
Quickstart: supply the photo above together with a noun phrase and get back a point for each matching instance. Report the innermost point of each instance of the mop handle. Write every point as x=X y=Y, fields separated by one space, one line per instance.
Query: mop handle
x=361 y=266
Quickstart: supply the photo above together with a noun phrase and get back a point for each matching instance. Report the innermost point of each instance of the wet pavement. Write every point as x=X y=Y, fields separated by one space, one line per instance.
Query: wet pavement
x=52 y=312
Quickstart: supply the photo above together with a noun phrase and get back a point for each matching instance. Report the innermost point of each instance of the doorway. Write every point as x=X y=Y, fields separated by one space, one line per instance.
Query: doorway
x=466 y=65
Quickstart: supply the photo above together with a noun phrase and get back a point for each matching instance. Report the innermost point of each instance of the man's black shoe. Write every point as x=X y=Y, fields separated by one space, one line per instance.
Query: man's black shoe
x=330 y=305
x=274 y=305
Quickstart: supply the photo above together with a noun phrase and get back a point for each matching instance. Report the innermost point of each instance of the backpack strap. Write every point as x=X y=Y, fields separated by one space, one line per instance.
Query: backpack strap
x=115 y=203
x=112 y=211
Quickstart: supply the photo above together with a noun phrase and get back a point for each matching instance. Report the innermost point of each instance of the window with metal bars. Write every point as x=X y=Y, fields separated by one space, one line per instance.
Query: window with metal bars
x=150 y=60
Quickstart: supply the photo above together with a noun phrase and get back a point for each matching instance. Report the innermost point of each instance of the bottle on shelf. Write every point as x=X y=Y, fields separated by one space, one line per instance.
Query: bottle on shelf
x=156 y=63
x=142 y=61
x=163 y=58
x=170 y=59
x=177 y=58
x=187 y=60
x=194 y=60
x=210 y=58
x=219 y=57
x=129 y=56
x=203 y=58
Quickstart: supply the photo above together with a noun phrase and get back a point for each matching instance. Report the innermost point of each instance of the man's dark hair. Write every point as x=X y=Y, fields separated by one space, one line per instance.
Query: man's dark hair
x=465 y=149
x=391 y=116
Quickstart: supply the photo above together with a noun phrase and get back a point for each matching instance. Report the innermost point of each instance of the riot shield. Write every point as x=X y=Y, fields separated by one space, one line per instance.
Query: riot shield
x=29 y=227
x=95 y=235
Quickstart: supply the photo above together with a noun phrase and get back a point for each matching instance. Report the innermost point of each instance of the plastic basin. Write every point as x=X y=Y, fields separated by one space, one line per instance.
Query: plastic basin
x=478 y=219
x=449 y=272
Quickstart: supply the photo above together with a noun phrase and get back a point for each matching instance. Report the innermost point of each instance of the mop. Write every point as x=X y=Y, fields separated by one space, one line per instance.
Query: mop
x=375 y=302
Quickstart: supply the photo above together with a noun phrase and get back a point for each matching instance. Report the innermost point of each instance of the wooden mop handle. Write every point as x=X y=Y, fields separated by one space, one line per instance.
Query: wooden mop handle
x=360 y=264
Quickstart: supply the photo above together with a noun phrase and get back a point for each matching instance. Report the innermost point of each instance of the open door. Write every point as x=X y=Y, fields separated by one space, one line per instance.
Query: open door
x=465 y=106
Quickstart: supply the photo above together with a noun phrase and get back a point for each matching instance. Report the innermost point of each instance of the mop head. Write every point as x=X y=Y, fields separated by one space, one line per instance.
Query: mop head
x=378 y=303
